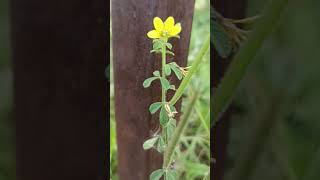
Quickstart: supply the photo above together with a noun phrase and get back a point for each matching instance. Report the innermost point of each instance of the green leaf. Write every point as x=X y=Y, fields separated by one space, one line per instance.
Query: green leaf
x=147 y=82
x=169 y=45
x=167 y=69
x=169 y=52
x=156 y=73
x=176 y=70
x=161 y=145
x=171 y=126
x=172 y=108
x=154 y=107
x=173 y=87
x=171 y=175
x=150 y=143
x=157 y=45
x=220 y=39
x=163 y=116
x=155 y=51
x=157 y=174
x=156 y=40
x=165 y=83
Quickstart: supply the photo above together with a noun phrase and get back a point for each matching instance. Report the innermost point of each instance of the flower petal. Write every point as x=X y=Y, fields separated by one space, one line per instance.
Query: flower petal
x=169 y=23
x=158 y=24
x=153 y=34
x=175 y=30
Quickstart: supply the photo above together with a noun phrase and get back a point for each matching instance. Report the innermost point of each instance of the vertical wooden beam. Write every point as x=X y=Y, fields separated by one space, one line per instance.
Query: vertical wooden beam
x=60 y=91
x=220 y=132
x=133 y=63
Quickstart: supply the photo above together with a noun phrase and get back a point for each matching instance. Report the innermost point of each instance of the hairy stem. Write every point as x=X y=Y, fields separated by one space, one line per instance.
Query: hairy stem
x=191 y=72
x=177 y=133
x=163 y=72
x=163 y=95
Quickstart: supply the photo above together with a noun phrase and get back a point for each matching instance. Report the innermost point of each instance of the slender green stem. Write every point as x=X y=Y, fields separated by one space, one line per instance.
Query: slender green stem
x=203 y=121
x=191 y=72
x=177 y=133
x=224 y=93
x=163 y=95
x=163 y=72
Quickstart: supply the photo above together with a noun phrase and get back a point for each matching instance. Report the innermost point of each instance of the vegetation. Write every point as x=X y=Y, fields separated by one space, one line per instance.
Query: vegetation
x=275 y=128
x=192 y=159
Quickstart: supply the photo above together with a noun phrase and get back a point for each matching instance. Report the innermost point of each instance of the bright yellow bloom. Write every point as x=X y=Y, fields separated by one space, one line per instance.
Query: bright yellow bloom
x=164 y=30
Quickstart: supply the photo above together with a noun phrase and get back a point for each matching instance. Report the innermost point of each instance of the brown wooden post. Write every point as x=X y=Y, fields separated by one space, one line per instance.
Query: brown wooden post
x=220 y=132
x=133 y=63
x=60 y=90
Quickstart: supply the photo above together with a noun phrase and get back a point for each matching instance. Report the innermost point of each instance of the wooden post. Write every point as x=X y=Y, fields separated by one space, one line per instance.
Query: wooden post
x=220 y=132
x=133 y=63
x=60 y=91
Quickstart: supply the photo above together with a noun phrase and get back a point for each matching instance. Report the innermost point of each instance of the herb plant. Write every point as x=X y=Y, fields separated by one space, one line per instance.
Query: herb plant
x=166 y=141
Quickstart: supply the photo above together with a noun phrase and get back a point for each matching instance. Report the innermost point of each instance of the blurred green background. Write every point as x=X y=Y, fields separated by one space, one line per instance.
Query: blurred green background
x=194 y=158
x=288 y=64
x=7 y=167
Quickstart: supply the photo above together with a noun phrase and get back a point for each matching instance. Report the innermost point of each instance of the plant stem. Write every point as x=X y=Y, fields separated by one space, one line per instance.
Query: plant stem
x=163 y=72
x=191 y=72
x=163 y=94
x=177 y=133
x=203 y=121
x=224 y=93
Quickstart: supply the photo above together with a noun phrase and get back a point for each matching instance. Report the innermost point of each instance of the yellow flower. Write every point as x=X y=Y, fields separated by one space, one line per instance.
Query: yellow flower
x=164 y=30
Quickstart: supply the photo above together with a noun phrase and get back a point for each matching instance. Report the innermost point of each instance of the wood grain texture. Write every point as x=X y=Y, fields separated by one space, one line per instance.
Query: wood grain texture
x=60 y=91
x=133 y=63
